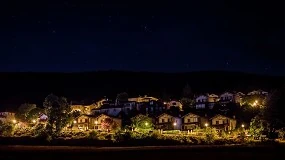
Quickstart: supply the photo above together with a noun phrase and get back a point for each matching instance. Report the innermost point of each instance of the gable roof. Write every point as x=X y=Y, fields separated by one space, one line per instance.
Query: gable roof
x=169 y=114
x=221 y=116
x=164 y=114
x=190 y=113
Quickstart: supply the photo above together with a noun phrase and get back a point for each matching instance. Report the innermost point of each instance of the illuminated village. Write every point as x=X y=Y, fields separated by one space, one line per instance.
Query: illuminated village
x=225 y=116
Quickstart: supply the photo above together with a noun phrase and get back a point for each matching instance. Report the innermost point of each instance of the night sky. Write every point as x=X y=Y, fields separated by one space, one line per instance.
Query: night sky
x=167 y=37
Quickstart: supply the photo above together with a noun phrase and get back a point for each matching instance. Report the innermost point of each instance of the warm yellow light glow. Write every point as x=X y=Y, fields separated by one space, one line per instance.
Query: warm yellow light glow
x=74 y=122
x=242 y=125
x=34 y=121
x=96 y=122
x=206 y=124
x=164 y=102
x=146 y=123
x=174 y=123
x=256 y=101
x=14 y=121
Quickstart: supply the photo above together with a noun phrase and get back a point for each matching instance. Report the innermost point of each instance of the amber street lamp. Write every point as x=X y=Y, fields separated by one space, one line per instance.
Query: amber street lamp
x=206 y=124
x=14 y=121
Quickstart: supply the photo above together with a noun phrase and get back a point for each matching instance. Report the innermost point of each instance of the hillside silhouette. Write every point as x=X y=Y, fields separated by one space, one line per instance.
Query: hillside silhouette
x=17 y=88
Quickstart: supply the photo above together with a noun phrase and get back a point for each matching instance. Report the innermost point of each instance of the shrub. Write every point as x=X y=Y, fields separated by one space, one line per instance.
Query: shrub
x=93 y=135
x=281 y=133
x=20 y=132
x=197 y=140
x=210 y=134
x=223 y=135
x=79 y=135
x=7 y=129
x=122 y=136
x=109 y=137
x=38 y=130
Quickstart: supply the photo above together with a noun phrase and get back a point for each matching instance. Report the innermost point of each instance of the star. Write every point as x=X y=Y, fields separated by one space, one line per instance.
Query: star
x=146 y=28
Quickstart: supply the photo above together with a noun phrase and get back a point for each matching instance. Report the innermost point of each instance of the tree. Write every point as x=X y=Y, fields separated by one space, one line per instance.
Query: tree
x=142 y=122
x=109 y=124
x=59 y=113
x=23 y=111
x=34 y=114
x=253 y=100
x=257 y=126
x=187 y=102
x=247 y=113
x=6 y=129
x=122 y=97
x=75 y=114
x=274 y=109
x=210 y=134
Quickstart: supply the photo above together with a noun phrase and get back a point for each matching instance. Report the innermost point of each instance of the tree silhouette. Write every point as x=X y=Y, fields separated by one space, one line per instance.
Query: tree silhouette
x=59 y=113
x=23 y=111
x=274 y=111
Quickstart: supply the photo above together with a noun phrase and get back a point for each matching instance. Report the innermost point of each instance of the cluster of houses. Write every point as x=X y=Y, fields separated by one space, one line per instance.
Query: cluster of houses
x=166 y=115
x=161 y=112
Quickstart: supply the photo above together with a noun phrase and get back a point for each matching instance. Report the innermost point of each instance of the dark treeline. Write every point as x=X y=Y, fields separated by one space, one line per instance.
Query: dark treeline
x=17 y=88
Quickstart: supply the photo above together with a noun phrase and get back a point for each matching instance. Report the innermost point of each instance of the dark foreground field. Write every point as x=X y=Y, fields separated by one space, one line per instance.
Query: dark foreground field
x=146 y=153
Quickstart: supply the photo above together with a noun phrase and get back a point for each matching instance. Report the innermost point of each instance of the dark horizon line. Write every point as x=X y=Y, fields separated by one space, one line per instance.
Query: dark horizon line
x=143 y=71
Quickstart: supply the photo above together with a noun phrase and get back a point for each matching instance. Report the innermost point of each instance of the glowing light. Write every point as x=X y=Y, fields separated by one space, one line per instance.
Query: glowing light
x=96 y=122
x=174 y=123
x=242 y=125
x=74 y=122
x=146 y=123
x=164 y=103
x=206 y=124
x=34 y=121
x=14 y=121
